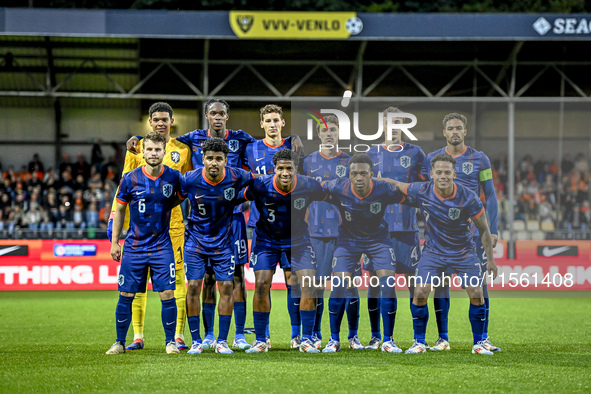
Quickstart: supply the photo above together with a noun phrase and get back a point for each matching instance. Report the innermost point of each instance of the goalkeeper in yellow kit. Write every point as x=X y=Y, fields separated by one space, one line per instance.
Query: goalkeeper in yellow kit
x=178 y=157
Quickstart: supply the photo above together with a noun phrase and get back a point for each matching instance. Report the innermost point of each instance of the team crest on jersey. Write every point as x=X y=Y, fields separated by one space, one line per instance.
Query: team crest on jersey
x=175 y=156
x=405 y=161
x=453 y=213
x=233 y=145
x=299 y=203
x=167 y=190
x=229 y=193
x=341 y=171
x=375 y=208
x=121 y=280
x=467 y=168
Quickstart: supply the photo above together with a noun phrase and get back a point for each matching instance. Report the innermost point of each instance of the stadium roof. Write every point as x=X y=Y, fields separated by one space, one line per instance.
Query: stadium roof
x=129 y=55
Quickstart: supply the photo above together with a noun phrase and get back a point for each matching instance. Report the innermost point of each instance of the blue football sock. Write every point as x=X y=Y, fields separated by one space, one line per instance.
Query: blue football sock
x=225 y=321
x=194 y=327
x=208 y=319
x=477 y=315
x=123 y=317
x=336 y=308
x=441 y=304
x=388 y=307
x=239 y=318
x=352 y=308
x=168 y=315
x=308 y=318
x=487 y=305
x=373 y=307
x=293 y=307
x=267 y=332
x=319 y=313
x=420 y=317
x=261 y=322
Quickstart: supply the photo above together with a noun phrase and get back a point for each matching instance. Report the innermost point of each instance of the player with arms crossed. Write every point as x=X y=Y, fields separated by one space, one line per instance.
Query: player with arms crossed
x=259 y=158
x=281 y=230
x=473 y=171
x=212 y=190
x=177 y=157
x=326 y=164
x=151 y=192
x=401 y=161
x=449 y=209
x=361 y=202
x=217 y=113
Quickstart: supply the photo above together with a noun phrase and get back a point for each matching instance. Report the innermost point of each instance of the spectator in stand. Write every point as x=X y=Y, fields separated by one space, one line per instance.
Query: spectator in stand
x=540 y=168
x=567 y=164
x=20 y=200
x=78 y=217
x=524 y=166
x=34 y=182
x=51 y=206
x=5 y=210
x=10 y=174
x=50 y=179
x=545 y=210
x=92 y=216
x=80 y=183
x=548 y=190
x=554 y=169
x=104 y=214
x=47 y=224
x=36 y=165
x=23 y=175
x=17 y=219
x=578 y=221
x=66 y=164
x=64 y=218
x=33 y=218
x=582 y=165
x=500 y=165
x=81 y=167
x=96 y=156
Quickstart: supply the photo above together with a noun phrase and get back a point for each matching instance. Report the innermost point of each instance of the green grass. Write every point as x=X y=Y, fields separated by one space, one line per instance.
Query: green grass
x=55 y=341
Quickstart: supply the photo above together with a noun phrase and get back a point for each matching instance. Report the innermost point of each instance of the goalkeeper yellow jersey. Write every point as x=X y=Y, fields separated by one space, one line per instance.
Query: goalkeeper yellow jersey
x=178 y=157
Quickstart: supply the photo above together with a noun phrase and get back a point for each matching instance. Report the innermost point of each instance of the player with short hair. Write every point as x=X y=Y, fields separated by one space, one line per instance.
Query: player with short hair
x=362 y=202
x=449 y=209
x=259 y=158
x=401 y=161
x=281 y=230
x=213 y=190
x=326 y=164
x=178 y=157
x=151 y=192
x=473 y=171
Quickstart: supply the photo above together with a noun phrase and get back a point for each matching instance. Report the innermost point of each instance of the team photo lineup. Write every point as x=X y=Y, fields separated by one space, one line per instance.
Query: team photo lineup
x=324 y=217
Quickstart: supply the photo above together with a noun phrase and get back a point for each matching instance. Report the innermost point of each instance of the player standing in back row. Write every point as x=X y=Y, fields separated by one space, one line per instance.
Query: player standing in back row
x=259 y=158
x=473 y=171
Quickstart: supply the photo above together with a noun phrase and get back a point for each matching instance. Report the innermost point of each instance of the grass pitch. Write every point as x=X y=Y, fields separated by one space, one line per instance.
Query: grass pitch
x=55 y=342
